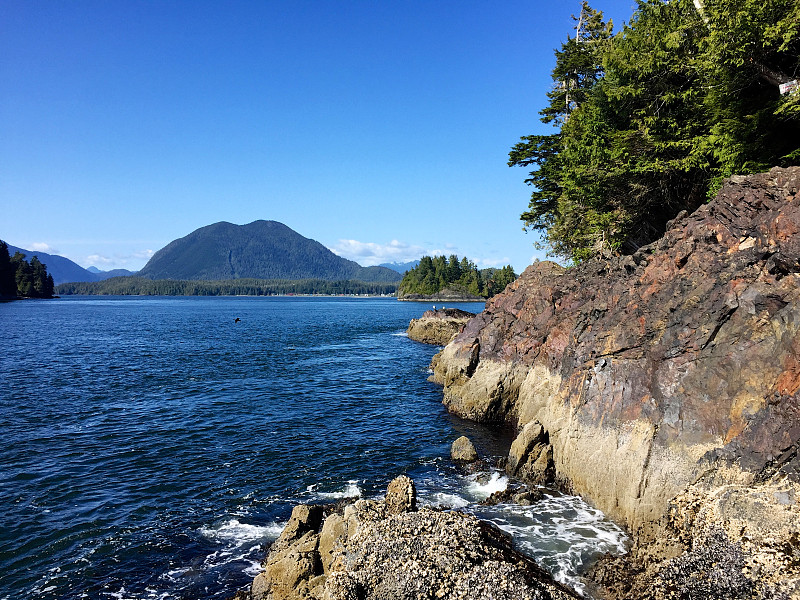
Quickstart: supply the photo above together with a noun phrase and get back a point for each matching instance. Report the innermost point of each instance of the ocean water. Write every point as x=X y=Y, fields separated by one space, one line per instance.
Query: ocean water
x=151 y=447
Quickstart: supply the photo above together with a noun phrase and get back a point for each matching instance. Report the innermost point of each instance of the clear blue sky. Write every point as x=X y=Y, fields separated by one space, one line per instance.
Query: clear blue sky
x=380 y=129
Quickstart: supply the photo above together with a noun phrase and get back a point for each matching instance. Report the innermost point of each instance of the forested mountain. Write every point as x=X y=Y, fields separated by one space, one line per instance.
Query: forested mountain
x=432 y=275
x=258 y=250
x=62 y=269
x=651 y=119
x=21 y=278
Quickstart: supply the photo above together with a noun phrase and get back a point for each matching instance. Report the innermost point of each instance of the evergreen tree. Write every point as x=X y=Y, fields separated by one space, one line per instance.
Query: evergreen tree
x=686 y=94
x=432 y=275
x=578 y=69
x=8 y=283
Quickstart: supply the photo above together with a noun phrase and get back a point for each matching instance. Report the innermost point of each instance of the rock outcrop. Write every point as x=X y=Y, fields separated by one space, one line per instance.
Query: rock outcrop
x=438 y=326
x=387 y=550
x=665 y=384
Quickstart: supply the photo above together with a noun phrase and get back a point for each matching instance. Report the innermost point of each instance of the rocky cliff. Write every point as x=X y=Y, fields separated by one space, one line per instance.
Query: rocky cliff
x=663 y=387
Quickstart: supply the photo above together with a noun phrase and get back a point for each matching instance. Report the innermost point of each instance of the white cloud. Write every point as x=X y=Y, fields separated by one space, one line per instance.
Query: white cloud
x=134 y=260
x=497 y=263
x=43 y=247
x=370 y=253
x=98 y=259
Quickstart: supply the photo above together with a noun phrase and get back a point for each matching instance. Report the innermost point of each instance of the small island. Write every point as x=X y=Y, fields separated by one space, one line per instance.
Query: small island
x=450 y=279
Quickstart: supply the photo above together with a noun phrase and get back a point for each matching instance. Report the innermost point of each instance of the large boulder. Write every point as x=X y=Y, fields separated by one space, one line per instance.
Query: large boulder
x=462 y=450
x=386 y=550
x=673 y=369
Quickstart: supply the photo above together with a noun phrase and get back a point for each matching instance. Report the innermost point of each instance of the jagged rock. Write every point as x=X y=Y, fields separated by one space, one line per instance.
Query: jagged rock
x=677 y=366
x=304 y=518
x=401 y=496
x=463 y=450
x=531 y=455
x=528 y=497
x=438 y=326
x=377 y=553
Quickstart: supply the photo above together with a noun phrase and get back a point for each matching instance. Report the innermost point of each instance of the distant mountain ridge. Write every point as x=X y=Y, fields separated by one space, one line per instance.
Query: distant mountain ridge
x=400 y=267
x=62 y=269
x=257 y=250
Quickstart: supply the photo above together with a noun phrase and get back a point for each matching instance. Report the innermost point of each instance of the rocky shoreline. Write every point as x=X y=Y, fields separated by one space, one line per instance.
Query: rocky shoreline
x=663 y=387
x=391 y=550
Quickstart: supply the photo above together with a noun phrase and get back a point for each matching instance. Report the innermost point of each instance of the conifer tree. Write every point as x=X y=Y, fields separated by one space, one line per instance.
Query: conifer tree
x=685 y=95
x=8 y=283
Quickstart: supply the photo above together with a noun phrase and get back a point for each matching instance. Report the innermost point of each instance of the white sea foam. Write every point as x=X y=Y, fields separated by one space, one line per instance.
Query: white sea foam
x=563 y=533
x=150 y=594
x=236 y=532
x=480 y=488
x=350 y=490
x=445 y=500
x=401 y=334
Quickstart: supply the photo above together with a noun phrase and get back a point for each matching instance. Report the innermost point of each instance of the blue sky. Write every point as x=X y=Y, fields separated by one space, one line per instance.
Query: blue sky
x=380 y=129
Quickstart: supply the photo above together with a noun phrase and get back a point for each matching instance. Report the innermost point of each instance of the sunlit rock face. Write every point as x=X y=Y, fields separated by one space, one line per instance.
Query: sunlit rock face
x=673 y=370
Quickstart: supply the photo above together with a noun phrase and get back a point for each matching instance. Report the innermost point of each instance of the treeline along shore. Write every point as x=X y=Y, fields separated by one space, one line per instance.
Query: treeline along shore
x=141 y=286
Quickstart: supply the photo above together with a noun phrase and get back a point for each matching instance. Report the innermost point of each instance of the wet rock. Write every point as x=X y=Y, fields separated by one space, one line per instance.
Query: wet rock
x=463 y=450
x=528 y=497
x=377 y=553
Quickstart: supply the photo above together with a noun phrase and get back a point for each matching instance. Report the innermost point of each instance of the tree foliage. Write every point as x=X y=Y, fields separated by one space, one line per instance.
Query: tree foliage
x=20 y=278
x=142 y=286
x=433 y=274
x=683 y=96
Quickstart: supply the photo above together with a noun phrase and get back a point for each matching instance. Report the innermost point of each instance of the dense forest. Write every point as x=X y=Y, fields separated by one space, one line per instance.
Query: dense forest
x=22 y=279
x=651 y=119
x=432 y=275
x=140 y=286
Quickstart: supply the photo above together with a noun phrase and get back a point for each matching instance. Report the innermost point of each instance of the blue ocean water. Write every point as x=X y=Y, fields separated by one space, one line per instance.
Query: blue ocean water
x=152 y=446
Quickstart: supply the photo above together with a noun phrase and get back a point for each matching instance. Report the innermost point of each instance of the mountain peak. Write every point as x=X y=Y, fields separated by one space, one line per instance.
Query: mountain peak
x=258 y=250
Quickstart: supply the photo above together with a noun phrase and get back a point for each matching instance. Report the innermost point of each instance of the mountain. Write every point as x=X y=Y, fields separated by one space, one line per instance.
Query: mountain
x=400 y=267
x=62 y=269
x=103 y=275
x=258 y=250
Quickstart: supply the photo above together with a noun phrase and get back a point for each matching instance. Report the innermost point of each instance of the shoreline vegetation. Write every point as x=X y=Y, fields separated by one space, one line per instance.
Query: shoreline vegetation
x=21 y=279
x=141 y=286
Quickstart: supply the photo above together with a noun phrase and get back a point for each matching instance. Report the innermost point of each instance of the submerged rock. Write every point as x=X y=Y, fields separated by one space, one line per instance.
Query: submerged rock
x=438 y=326
x=388 y=551
x=664 y=380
